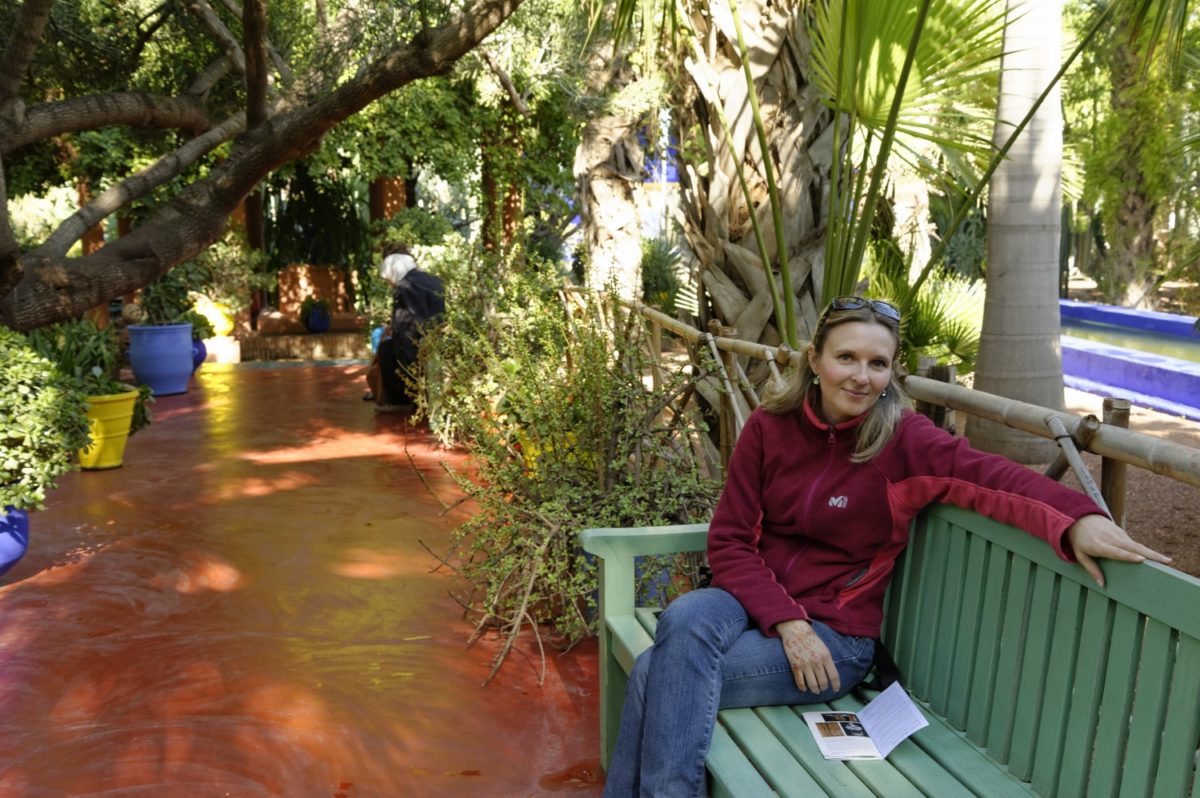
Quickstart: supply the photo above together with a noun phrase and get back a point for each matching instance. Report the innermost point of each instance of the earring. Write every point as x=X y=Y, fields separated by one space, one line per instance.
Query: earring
x=816 y=379
x=883 y=393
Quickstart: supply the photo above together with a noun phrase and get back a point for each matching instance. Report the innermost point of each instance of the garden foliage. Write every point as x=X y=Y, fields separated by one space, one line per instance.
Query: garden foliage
x=42 y=424
x=90 y=356
x=547 y=389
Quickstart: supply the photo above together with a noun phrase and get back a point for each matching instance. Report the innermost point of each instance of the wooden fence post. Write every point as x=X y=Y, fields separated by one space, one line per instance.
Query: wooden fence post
x=656 y=355
x=1112 y=472
x=940 y=415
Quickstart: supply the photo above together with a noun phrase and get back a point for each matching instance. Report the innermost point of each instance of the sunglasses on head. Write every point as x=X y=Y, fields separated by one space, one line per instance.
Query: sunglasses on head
x=885 y=309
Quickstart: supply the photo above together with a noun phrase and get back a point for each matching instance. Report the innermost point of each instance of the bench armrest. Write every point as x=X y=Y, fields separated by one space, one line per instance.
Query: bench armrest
x=627 y=543
x=618 y=548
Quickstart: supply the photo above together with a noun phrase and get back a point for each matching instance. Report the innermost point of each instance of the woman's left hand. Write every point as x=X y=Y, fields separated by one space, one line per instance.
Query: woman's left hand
x=1097 y=536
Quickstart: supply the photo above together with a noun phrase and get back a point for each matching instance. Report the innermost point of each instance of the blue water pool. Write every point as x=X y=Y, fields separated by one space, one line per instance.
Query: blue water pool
x=1130 y=338
x=1150 y=358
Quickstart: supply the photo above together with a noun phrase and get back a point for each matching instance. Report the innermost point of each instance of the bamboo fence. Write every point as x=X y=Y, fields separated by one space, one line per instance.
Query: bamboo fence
x=1117 y=446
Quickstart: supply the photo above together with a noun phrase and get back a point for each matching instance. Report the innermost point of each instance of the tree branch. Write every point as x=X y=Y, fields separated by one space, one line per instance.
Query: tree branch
x=136 y=186
x=281 y=66
x=26 y=35
x=53 y=289
x=204 y=82
x=96 y=111
x=222 y=34
x=10 y=270
x=254 y=45
x=506 y=82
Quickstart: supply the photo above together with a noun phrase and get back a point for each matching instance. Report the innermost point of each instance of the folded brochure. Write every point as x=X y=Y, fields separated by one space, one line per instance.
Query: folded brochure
x=870 y=733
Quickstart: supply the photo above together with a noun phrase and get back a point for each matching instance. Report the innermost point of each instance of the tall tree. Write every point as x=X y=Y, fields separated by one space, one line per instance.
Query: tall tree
x=1019 y=354
x=41 y=285
x=778 y=199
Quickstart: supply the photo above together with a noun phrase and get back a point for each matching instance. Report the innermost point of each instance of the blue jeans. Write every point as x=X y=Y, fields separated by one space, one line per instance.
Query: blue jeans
x=707 y=656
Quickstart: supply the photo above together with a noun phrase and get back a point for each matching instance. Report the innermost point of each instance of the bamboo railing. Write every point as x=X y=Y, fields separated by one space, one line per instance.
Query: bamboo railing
x=1118 y=447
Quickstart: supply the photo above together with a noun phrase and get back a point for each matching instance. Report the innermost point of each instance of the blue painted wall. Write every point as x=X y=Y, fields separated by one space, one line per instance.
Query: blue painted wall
x=1147 y=320
x=1163 y=383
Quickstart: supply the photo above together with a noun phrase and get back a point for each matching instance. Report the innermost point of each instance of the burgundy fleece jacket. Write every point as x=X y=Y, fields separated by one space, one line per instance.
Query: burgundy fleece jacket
x=801 y=532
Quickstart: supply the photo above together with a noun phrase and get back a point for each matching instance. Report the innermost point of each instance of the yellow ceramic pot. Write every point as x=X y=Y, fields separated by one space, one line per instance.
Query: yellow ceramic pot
x=111 y=417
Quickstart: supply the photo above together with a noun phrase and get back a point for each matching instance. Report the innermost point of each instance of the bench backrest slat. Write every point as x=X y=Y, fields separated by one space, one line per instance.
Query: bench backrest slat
x=1077 y=690
x=968 y=636
x=1059 y=692
x=1031 y=692
x=1116 y=702
x=1088 y=682
x=1183 y=724
x=990 y=631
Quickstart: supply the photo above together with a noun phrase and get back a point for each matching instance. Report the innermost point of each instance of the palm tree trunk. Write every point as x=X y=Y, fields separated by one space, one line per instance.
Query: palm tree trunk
x=1019 y=354
x=716 y=215
x=608 y=177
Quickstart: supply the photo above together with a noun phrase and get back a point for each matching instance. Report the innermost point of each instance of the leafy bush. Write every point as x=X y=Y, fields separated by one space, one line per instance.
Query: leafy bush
x=91 y=357
x=229 y=271
x=168 y=299
x=545 y=389
x=660 y=283
x=943 y=322
x=43 y=423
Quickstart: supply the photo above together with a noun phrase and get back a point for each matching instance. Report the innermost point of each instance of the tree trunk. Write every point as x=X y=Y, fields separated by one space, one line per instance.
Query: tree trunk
x=608 y=179
x=43 y=286
x=1129 y=267
x=1019 y=354
x=798 y=127
x=387 y=197
x=502 y=196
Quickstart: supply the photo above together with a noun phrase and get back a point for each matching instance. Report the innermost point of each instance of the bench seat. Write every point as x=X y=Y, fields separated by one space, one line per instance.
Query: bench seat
x=1034 y=681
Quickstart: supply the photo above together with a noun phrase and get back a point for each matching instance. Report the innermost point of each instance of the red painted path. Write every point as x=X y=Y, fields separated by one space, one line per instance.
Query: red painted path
x=246 y=609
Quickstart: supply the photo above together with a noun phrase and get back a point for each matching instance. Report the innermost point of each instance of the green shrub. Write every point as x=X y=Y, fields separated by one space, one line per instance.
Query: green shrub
x=544 y=387
x=91 y=357
x=168 y=299
x=660 y=283
x=43 y=423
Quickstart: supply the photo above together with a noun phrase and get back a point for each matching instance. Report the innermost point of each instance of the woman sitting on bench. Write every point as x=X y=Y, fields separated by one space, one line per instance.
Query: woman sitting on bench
x=822 y=486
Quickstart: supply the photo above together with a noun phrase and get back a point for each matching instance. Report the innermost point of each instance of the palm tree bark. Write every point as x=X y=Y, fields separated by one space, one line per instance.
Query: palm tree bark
x=798 y=128
x=608 y=176
x=1019 y=353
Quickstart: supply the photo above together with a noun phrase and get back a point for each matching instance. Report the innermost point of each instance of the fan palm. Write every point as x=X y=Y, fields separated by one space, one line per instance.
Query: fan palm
x=776 y=236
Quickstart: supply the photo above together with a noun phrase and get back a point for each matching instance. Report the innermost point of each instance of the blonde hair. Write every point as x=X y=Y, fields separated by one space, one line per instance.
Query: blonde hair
x=883 y=417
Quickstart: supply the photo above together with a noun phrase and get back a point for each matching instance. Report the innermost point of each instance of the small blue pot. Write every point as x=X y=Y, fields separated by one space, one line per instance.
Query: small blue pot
x=161 y=356
x=317 y=320
x=14 y=537
x=199 y=352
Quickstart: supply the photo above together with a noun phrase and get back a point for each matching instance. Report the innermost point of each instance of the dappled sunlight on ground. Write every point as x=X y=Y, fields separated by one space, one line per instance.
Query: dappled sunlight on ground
x=327 y=444
x=204 y=572
x=246 y=608
x=360 y=563
x=252 y=487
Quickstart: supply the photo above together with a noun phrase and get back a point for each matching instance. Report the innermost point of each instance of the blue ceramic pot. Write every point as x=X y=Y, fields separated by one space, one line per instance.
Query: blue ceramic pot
x=161 y=356
x=199 y=352
x=14 y=537
x=317 y=320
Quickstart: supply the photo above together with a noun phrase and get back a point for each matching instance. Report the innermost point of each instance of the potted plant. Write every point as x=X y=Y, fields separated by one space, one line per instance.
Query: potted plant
x=163 y=329
x=89 y=356
x=42 y=425
x=314 y=315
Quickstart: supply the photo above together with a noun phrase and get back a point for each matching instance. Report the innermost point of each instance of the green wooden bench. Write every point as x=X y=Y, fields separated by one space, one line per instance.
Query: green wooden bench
x=1034 y=681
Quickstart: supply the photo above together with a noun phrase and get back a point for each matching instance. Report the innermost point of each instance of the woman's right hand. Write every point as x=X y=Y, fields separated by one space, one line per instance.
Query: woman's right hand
x=812 y=664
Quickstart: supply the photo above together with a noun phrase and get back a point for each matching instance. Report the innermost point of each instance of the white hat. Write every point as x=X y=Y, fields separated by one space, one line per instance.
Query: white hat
x=395 y=267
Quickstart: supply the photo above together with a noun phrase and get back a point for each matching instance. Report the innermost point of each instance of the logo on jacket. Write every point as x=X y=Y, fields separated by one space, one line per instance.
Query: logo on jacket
x=839 y=501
